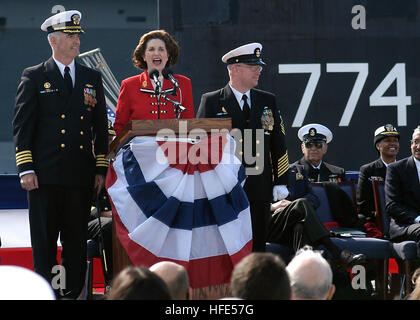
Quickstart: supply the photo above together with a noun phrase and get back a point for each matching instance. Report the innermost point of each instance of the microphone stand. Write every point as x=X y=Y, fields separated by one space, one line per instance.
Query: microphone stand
x=178 y=108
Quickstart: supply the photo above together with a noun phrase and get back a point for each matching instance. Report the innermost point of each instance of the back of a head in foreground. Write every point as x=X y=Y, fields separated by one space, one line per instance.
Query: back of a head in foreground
x=310 y=276
x=260 y=276
x=138 y=283
x=17 y=283
x=175 y=276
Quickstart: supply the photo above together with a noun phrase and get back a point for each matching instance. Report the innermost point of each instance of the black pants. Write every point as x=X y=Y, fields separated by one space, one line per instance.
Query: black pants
x=260 y=216
x=296 y=225
x=54 y=210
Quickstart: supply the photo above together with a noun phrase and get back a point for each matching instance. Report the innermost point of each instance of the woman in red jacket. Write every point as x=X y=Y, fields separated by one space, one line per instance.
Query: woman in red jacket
x=156 y=50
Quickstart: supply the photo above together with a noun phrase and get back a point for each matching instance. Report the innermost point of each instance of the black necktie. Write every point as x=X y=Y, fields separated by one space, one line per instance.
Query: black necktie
x=245 y=110
x=67 y=79
x=315 y=174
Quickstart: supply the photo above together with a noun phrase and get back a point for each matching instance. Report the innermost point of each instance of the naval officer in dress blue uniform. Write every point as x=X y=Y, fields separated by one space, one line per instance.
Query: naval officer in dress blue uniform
x=253 y=109
x=60 y=135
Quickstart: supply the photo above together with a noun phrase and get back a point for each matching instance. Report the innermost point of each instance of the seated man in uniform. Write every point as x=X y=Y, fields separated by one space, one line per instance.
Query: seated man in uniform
x=295 y=222
x=315 y=138
x=387 y=142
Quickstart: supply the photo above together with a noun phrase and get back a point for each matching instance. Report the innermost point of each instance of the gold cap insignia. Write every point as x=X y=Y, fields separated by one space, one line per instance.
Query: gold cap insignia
x=389 y=128
x=47 y=85
x=257 y=52
x=312 y=132
x=224 y=110
x=76 y=19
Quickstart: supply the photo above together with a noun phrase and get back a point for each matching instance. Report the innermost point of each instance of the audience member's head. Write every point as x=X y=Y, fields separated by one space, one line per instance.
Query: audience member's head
x=175 y=276
x=415 y=294
x=260 y=276
x=138 y=283
x=310 y=276
x=415 y=143
x=17 y=283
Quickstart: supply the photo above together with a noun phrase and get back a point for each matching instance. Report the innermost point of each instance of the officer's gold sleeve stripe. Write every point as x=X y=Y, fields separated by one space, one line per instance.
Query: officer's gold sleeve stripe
x=282 y=128
x=103 y=160
x=27 y=155
x=282 y=171
x=102 y=165
x=282 y=165
x=22 y=162
x=23 y=158
x=283 y=160
x=23 y=153
x=284 y=157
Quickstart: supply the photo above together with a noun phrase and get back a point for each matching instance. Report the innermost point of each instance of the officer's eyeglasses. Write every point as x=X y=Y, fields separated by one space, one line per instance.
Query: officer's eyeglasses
x=251 y=68
x=317 y=145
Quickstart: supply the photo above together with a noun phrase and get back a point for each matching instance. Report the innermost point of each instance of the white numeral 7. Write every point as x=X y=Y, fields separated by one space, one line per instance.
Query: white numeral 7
x=363 y=70
x=315 y=70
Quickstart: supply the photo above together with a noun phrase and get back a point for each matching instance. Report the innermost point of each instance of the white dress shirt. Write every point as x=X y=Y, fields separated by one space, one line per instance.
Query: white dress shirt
x=72 y=67
x=238 y=96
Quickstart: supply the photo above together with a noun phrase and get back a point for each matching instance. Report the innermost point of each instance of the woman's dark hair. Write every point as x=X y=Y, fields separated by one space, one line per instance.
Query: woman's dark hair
x=171 y=46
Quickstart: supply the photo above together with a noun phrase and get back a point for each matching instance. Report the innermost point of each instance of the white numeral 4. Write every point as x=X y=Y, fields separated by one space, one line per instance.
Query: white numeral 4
x=401 y=100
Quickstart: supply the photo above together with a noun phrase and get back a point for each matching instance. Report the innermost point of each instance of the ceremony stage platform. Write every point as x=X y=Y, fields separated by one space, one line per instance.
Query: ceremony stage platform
x=15 y=236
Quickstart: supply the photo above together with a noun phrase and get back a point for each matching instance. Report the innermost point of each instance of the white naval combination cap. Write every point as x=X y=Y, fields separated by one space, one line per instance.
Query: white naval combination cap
x=249 y=54
x=66 y=21
x=315 y=132
x=382 y=132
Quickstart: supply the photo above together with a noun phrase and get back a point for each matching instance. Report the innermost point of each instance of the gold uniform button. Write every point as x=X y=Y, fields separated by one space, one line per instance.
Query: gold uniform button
x=63 y=131
x=104 y=197
x=106 y=209
x=82 y=117
x=81 y=133
x=241 y=153
x=257 y=142
x=257 y=168
x=241 y=140
x=258 y=154
x=63 y=116
x=63 y=145
x=81 y=147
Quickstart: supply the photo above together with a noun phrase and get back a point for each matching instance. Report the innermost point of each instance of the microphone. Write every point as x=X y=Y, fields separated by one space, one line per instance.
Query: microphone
x=154 y=74
x=168 y=74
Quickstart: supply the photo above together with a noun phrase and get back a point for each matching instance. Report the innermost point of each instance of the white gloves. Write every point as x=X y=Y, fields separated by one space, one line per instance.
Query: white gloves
x=280 y=192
